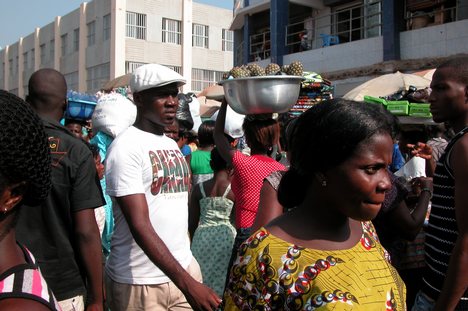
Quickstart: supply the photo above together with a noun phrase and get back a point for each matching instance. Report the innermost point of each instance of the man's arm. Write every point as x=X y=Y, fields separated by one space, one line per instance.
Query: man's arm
x=135 y=210
x=89 y=245
x=222 y=143
x=456 y=281
x=194 y=210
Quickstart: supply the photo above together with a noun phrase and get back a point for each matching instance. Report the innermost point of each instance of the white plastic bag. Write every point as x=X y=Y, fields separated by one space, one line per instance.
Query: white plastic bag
x=113 y=114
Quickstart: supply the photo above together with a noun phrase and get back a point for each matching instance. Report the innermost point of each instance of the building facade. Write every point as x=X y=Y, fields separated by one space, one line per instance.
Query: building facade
x=344 y=38
x=104 y=39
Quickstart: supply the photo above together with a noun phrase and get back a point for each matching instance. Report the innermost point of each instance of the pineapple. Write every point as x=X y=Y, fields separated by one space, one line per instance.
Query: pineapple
x=295 y=69
x=272 y=69
x=255 y=70
x=239 y=72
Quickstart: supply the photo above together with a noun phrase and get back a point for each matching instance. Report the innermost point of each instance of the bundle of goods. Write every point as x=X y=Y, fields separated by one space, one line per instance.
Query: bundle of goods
x=80 y=106
x=255 y=90
x=405 y=103
x=314 y=89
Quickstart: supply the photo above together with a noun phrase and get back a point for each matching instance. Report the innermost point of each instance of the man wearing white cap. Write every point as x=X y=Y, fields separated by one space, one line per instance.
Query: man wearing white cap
x=151 y=266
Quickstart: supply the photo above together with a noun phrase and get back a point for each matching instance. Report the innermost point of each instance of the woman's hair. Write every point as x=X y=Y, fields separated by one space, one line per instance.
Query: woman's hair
x=217 y=162
x=325 y=136
x=261 y=134
x=24 y=149
x=205 y=133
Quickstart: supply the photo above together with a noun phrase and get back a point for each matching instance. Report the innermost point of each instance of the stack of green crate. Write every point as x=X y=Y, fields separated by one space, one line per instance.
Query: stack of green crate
x=420 y=110
x=398 y=107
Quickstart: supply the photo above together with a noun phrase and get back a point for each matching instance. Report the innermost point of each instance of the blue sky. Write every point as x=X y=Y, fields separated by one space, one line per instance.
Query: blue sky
x=19 y=18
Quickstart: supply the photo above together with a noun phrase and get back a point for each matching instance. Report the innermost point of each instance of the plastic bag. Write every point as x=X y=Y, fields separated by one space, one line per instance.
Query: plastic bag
x=183 y=114
x=113 y=114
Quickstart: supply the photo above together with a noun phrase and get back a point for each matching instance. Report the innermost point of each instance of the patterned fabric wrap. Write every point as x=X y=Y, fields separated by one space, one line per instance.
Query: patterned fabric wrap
x=272 y=274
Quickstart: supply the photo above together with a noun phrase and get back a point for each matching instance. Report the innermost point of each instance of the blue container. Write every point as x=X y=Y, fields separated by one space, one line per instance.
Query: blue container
x=79 y=109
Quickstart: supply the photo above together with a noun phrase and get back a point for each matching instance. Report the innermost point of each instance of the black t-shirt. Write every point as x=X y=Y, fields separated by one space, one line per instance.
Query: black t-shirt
x=47 y=230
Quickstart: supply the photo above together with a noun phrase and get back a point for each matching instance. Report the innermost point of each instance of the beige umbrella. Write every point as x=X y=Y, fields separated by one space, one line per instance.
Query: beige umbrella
x=426 y=73
x=387 y=85
x=118 y=82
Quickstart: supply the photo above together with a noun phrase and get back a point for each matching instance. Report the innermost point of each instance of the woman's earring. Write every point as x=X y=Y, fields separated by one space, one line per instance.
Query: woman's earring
x=324 y=183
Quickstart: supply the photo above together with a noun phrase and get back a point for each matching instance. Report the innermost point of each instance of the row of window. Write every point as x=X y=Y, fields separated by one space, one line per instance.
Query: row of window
x=201 y=78
x=172 y=32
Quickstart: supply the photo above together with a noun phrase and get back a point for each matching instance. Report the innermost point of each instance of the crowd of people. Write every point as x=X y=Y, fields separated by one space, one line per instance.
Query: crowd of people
x=142 y=214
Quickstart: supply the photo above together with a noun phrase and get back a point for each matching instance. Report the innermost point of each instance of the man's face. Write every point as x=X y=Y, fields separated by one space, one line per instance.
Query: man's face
x=76 y=130
x=448 y=98
x=159 y=105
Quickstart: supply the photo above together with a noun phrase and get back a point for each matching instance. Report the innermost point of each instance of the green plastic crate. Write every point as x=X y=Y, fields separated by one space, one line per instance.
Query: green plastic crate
x=420 y=110
x=398 y=107
x=374 y=100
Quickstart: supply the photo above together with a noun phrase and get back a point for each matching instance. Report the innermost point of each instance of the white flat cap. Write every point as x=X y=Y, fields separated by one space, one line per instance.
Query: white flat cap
x=153 y=75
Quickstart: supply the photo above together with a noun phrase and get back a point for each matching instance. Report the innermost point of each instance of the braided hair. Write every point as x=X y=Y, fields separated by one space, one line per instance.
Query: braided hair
x=24 y=149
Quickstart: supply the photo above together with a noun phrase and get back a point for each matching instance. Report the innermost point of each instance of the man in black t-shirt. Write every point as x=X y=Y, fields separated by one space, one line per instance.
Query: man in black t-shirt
x=62 y=233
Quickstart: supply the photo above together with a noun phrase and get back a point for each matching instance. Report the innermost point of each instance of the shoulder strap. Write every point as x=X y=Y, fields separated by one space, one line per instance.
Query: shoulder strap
x=449 y=148
x=202 y=189
x=228 y=188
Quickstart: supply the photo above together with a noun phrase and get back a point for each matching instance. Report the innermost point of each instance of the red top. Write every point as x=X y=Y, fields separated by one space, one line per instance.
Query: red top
x=249 y=172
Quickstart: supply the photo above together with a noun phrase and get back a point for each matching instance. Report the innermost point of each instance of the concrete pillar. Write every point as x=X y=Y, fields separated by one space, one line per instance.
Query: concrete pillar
x=82 y=50
x=117 y=44
x=391 y=28
x=21 y=90
x=279 y=13
x=187 y=22
x=57 y=39
x=246 y=35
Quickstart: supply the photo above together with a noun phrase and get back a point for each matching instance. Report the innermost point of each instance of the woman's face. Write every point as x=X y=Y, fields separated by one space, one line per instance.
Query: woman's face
x=357 y=186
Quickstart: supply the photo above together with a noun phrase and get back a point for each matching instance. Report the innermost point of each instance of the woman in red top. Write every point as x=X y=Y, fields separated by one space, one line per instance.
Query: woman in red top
x=261 y=133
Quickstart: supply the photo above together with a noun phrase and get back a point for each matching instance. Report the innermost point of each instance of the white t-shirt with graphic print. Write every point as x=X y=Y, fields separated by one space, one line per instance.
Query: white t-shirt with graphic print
x=141 y=162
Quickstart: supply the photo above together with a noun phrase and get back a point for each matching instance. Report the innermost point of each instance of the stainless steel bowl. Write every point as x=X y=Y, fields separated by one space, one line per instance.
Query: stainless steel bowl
x=267 y=94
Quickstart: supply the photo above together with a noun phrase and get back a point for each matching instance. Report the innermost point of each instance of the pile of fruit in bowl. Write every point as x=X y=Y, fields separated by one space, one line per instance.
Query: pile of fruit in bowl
x=252 y=89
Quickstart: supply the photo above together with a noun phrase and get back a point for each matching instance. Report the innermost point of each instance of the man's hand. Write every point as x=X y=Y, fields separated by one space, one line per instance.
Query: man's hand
x=421 y=150
x=201 y=297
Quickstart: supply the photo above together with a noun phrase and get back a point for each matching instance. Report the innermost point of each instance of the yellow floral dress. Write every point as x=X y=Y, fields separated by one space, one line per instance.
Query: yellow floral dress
x=272 y=274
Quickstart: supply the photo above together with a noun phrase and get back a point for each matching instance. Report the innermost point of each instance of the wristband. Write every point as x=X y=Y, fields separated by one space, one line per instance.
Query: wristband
x=428 y=190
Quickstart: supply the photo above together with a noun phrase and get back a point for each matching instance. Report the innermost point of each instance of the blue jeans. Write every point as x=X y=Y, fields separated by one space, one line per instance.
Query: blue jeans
x=423 y=303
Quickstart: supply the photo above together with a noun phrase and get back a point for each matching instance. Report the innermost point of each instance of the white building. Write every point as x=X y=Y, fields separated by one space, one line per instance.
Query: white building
x=104 y=39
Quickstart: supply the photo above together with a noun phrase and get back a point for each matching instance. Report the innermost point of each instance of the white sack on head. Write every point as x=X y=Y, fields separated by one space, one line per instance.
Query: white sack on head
x=113 y=114
x=194 y=106
x=234 y=121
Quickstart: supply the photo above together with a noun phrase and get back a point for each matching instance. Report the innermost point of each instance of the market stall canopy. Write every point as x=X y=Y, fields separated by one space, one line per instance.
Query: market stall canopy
x=120 y=81
x=426 y=73
x=387 y=85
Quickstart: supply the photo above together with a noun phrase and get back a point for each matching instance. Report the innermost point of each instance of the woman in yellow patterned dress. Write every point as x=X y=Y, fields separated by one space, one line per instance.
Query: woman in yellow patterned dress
x=324 y=254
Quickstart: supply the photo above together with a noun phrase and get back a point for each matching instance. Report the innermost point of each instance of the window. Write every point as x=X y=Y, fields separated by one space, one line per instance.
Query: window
x=72 y=80
x=96 y=77
x=76 y=39
x=42 y=51
x=10 y=66
x=91 y=33
x=52 y=50
x=202 y=78
x=106 y=27
x=33 y=57
x=64 y=40
x=171 y=31
x=200 y=35
x=348 y=23
x=25 y=60
x=17 y=65
x=131 y=66
x=228 y=40
x=136 y=25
